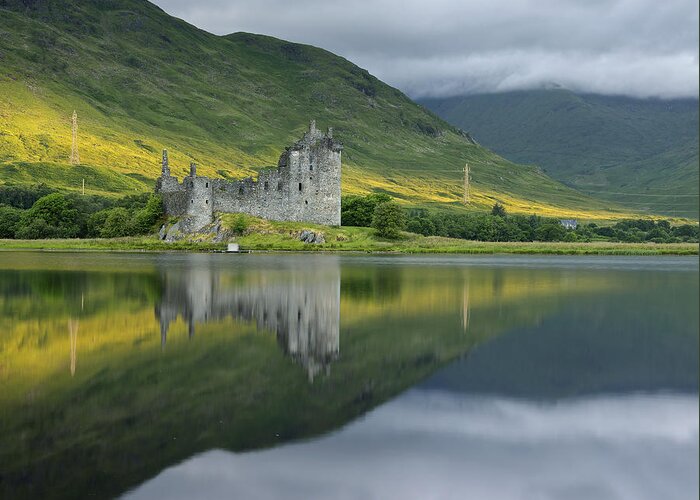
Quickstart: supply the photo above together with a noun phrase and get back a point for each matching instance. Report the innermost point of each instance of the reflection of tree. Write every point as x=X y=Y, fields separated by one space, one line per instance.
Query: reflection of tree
x=302 y=309
x=372 y=283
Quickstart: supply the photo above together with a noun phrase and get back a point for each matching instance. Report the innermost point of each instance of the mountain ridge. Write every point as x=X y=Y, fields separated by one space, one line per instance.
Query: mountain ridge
x=142 y=81
x=639 y=152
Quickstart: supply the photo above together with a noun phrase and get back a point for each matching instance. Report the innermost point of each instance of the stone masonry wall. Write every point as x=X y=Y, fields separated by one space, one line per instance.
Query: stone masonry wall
x=305 y=186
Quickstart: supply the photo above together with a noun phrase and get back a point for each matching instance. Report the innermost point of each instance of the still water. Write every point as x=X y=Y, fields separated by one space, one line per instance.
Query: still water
x=325 y=376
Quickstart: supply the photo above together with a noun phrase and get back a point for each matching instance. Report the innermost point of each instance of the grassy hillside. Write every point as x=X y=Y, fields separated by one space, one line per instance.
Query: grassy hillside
x=141 y=81
x=643 y=153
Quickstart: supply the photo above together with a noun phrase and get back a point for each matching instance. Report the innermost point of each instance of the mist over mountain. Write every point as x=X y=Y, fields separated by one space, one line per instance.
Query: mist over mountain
x=639 y=152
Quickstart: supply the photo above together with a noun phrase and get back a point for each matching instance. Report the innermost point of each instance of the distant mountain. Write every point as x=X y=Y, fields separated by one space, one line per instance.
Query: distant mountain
x=640 y=152
x=142 y=80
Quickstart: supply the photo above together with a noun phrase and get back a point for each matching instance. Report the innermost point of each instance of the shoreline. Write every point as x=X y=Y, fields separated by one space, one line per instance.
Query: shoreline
x=431 y=245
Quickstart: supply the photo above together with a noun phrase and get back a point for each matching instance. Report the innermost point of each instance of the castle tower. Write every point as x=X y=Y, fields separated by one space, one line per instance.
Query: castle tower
x=193 y=169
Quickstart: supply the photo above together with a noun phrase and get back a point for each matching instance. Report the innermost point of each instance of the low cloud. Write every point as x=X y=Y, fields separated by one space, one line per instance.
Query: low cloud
x=642 y=48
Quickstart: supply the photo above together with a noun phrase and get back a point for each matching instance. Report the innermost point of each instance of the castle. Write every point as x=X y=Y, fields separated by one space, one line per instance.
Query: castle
x=305 y=186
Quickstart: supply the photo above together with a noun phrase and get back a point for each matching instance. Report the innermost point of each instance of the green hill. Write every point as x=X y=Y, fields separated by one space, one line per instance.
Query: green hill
x=640 y=152
x=141 y=81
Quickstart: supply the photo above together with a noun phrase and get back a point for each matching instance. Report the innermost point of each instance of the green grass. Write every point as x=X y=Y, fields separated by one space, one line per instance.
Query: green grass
x=263 y=235
x=142 y=81
x=639 y=152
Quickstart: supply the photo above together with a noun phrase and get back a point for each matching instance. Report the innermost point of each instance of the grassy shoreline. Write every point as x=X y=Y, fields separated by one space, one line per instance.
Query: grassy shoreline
x=424 y=245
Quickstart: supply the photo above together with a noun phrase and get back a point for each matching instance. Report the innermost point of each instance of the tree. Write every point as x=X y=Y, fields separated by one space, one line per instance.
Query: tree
x=550 y=232
x=9 y=221
x=498 y=210
x=148 y=216
x=389 y=219
x=59 y=219
x=117 y=223
x=359 y=210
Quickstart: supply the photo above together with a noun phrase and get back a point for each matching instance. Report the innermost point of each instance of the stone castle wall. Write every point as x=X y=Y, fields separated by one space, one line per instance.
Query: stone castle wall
x=305 y=186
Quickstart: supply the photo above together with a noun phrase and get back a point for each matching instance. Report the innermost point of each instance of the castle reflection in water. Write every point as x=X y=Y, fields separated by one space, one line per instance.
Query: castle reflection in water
x=301 y=308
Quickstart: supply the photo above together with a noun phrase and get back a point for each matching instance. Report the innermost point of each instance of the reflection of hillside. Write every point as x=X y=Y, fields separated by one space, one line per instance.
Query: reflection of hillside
x=303 y=309
x=133 y=407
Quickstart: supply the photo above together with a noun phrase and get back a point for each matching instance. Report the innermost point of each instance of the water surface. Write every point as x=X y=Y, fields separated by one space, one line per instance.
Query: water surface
x=304 y=376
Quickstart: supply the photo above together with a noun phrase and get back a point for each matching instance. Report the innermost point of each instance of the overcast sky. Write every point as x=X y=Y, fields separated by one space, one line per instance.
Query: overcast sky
x=447 y=47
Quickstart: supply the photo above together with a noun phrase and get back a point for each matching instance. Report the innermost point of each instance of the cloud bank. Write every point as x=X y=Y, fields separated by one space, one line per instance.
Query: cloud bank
x=432 y=445
x=642 y=48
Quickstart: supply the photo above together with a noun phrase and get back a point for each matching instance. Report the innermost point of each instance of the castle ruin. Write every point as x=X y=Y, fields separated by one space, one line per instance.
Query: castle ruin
x=305 y=186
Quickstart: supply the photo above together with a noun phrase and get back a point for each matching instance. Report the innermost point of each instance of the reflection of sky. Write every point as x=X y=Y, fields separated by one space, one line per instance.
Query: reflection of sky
x=434 y=444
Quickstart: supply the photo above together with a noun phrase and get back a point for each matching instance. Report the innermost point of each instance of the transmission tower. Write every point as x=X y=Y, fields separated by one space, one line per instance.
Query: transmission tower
x=466 y=184
x=74 y=155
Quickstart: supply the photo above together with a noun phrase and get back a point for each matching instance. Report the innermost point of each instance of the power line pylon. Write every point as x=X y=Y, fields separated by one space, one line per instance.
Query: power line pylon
x=74 y=155
x=466 y=184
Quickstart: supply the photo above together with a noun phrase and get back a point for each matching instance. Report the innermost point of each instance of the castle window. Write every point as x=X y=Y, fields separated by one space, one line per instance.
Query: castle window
x=240 y=190
x=306 y=202
x=311 y=166
x=192 y=201
x=266 y=186
x=206 y=185
x=300 y=186
x=206 y=201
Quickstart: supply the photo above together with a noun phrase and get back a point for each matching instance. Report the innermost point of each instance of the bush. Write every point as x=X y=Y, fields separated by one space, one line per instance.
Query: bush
x=36 y=229
x=95 y=222
x=239 y=224
x=23 y=196
x=9 y=221
x=117 y=223
x=551 y=231
x=498 y=210
x=389 y=219
x=52 y=216
x=359 y=210
x=147 y=217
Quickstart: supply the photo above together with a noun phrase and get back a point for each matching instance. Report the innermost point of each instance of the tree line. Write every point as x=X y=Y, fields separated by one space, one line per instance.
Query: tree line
x=36 y=212
x=380 y=212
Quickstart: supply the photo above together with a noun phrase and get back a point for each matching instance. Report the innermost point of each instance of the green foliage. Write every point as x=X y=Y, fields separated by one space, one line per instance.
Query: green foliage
x=359 y=210
x=109 y=60
x=389 y=219
x=488 y=227
x=9 y=221
x=146 y=218
x=550 y=232
x=498 y=210
x=239 y=223
x=53 y=216
x=117 y=223
x=22 y=196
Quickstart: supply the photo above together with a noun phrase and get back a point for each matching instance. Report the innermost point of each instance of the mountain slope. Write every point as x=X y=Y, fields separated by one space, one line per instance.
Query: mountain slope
x=643 y=153
x=141 y=81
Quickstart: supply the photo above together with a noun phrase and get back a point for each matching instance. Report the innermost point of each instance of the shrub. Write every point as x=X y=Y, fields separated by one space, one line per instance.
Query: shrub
x=498 y=210
x=55 y=215
x=389 y=219
x=239 y=224
x=9 y=221
x=147 y=217
x=551 y=231
x=359 y=210
x=117 y=223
